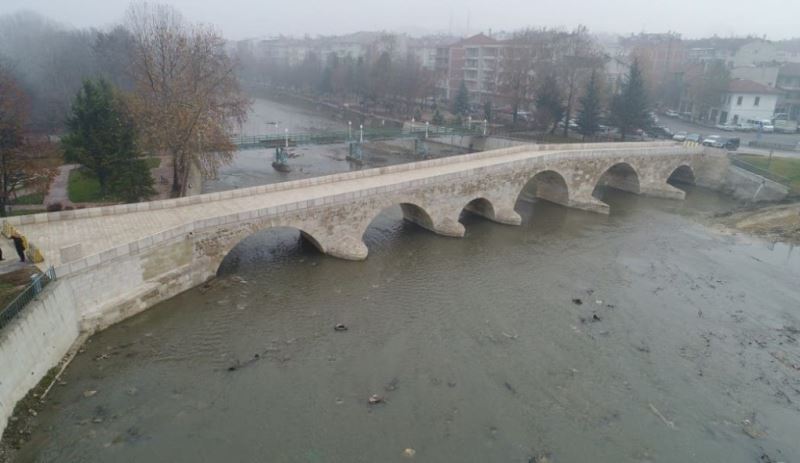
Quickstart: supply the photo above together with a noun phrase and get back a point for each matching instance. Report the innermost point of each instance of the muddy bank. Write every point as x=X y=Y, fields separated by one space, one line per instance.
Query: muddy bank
x=776 y=222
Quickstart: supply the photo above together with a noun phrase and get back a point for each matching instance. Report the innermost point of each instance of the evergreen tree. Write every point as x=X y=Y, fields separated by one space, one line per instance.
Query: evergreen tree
x=629 y=109
x=461 y=103
x=549 y=102
x=438 y=119
x=589 y=116
x=102 y=137
x=131 y=180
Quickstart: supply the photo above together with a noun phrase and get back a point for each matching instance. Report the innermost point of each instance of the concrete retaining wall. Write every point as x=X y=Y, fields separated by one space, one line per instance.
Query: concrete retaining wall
x=34 y=342
x=745 y=185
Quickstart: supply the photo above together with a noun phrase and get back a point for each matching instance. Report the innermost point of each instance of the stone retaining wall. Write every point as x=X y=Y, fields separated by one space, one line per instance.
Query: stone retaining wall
x=34 y=342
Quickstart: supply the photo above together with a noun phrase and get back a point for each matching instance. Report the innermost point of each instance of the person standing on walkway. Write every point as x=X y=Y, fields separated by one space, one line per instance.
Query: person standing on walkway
x=19 y=244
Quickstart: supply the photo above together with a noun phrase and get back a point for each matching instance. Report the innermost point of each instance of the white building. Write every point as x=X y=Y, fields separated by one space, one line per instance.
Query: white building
x=747 y=101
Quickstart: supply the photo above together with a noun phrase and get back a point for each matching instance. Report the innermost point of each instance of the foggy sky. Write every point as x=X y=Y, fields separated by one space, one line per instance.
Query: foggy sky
x=777 y=19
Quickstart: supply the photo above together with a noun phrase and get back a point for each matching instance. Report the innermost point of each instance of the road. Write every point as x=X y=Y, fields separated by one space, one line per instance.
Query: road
x=677 y=125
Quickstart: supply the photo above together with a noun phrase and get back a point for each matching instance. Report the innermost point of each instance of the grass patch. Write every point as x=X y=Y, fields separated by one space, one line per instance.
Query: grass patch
x=29 y=200
x=785 y=167
x=12 y=283
x=153 y=162
x=83 y=187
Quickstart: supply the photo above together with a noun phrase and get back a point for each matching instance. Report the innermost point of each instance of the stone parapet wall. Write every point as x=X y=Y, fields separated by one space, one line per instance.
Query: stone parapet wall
x=219 y=196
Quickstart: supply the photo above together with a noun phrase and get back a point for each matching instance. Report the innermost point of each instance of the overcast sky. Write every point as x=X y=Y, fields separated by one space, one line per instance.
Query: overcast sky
x=777 y=19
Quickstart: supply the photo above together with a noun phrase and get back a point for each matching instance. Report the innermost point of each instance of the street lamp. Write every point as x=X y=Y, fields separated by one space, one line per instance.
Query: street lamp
x=427 y=126
x=349 y=130
x=361 y=136
x=485 y=124
x=286 y=136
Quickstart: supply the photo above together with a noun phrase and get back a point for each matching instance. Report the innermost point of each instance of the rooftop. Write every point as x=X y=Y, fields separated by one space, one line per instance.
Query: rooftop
x=748 y=86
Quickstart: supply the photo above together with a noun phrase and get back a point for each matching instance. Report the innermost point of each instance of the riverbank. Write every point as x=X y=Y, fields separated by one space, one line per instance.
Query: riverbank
x=774 y=222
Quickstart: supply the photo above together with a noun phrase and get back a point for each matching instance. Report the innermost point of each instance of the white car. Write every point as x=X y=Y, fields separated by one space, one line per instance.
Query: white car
x=711 y=140
x=767 y=128
x=727 y=127
x=680 y=136
x=671 y=113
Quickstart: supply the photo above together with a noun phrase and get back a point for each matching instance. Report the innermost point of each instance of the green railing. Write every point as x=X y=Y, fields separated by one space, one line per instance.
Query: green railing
x=37 y=284
x=330 y=137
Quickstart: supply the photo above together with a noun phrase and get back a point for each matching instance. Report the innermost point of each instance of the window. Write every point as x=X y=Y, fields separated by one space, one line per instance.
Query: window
x=758 y=100
x=739 y=101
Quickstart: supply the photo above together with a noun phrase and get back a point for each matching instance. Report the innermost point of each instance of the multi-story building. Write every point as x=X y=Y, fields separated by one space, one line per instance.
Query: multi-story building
x=788 y=82
x=476 y=61
x=746 y=102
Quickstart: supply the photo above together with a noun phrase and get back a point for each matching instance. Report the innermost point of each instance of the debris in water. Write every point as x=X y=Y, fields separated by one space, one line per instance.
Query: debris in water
x=655 y=411
x=89 y=393
x=598 y=302
x=409 y=453
x=749 y=428
x=340 y=327
x=577 y=301
x=392 y=385
x=510 y=388
x=375 y=399
x=596 y=318
x=510 y=336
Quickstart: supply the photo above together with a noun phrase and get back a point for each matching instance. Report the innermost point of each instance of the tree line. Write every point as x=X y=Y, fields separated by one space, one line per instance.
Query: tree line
x=155 y=85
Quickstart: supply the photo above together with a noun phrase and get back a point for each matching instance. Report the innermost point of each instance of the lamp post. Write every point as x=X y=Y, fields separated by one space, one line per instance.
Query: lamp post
x=427 y=126
x=485 y=125
x=349 y=130
x=361 y=134
x=412 y=125
x=286 y=136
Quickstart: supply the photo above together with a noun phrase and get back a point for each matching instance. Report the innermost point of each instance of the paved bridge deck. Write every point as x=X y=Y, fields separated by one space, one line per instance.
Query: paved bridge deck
x=102 y=232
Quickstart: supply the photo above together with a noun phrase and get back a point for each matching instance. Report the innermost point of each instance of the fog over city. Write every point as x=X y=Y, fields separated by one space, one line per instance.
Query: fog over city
x=523 y=231
x=240 y=19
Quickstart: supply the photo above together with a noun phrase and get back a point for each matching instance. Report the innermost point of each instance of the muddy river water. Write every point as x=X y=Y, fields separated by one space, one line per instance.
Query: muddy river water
x=649 y=335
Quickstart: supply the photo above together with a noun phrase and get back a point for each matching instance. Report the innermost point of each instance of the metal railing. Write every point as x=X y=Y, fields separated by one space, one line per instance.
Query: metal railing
x=330 y=137
x=760 y=171
x=34 y=288
x=774 y=146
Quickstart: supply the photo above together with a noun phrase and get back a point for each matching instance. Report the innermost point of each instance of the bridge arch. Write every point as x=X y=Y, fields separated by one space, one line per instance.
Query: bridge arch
x=681 y=176
x=621 y=176
x=268 y=242
x=480 y=206
x=548 y=185
x=411 y=212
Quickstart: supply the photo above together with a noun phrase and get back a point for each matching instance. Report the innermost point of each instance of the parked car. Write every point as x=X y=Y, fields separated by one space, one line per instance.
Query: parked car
x=711 y=140
x=727 y=127
x=671 y=113
x=767 y=126
x=730 y=144
x=745 y=127
x=695 y=137
x=660 y=131
x=680 y=136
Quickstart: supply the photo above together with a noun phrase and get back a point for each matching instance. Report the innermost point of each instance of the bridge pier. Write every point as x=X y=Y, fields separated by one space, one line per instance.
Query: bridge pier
x=347 y=248
x=589 y=203
x=665 y=190
x=507 y=216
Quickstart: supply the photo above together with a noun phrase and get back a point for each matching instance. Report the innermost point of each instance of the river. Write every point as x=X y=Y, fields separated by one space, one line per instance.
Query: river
x=650 y=335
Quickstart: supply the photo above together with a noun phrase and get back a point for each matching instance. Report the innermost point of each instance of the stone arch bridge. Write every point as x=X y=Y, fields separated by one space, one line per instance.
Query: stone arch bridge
x=119 y=260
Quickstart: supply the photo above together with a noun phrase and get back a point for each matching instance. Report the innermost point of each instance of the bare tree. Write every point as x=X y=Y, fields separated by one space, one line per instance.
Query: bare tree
x=186 y=94
x=22 y=162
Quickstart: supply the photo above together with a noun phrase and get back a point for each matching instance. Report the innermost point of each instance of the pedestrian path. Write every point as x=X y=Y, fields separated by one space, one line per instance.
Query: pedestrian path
x=58 y=187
